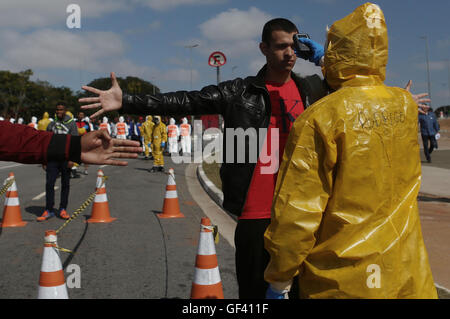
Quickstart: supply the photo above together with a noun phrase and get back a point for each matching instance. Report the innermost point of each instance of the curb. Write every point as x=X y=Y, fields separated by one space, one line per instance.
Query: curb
x=215 y=193
x=211 y=189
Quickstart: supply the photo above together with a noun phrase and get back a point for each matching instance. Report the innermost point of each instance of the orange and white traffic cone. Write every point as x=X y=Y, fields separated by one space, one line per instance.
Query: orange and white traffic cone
x=11 y=212
x=171 y=207
x=52 y=284
x=207 y=283
x=100 y=209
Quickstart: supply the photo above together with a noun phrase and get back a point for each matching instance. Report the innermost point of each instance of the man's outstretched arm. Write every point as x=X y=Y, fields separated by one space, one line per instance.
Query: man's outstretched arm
x=209 y=100
x=98 y=147
x=23 y=144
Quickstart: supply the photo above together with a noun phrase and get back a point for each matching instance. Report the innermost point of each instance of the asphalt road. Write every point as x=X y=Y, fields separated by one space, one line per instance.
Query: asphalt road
x=137 y=256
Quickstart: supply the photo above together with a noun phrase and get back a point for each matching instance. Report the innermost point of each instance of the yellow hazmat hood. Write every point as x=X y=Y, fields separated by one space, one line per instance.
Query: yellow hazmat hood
x=357 y=48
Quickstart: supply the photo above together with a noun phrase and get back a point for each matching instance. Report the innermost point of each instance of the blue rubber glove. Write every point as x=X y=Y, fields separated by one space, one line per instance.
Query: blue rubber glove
x=163 y=144
x=273 y=294
x=316 y=48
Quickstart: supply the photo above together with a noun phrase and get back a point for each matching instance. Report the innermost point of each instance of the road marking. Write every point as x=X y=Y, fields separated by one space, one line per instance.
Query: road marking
x=9 y=166
x=38 y=197
x=103 y=166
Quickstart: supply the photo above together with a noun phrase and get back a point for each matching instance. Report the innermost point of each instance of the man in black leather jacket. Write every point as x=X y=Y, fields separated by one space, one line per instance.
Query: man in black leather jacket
x=243 y=103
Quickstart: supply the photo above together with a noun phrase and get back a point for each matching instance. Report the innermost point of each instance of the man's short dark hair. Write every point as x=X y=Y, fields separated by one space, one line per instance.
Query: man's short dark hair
x=61 y=103
x=278 y=24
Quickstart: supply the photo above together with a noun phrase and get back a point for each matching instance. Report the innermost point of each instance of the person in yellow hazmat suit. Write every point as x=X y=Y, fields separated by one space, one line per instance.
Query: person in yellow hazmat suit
x=147 y=130
x=43 y=123
x=158 y=140
x=345 y=218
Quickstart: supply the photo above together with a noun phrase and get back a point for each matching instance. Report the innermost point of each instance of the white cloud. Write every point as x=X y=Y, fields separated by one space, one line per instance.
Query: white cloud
x=434 y=65
x=43 y=13
x=443 y=93
x=324 y=1
x=95 y=53
x=179 y=75
x=235 y=25
x=256 y=65
x=234 y=32
x=48 y=48
x=443 y=43
x=162 y=5
x=304 y=68
x=151 y=27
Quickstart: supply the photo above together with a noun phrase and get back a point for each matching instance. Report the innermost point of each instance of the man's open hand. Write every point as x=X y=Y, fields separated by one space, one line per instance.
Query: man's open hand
x=418 y=98
x=99 y=148
x=110 y=100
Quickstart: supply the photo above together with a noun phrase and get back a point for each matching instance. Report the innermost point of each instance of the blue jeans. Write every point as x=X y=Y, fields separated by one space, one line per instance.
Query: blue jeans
x=53 y=169
x=429 y=144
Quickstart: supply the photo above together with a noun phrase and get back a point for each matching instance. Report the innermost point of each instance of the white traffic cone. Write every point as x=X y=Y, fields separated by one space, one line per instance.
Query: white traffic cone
x=52 y=284
x=207 y=283
x=100 y=208
x=11 y=212
x=171 y=206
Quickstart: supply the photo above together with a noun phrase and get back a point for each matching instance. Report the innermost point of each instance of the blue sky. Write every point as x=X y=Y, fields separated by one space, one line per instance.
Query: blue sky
x=147 y=38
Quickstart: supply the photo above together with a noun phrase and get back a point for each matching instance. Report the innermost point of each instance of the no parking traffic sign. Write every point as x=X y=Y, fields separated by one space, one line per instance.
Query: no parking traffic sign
x=217 y=59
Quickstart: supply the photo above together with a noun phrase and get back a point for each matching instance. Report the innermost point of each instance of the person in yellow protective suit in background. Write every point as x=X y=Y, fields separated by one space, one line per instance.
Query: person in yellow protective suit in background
x=43 y=123
x=345 y=216
x=147 y=130
x=159 y=141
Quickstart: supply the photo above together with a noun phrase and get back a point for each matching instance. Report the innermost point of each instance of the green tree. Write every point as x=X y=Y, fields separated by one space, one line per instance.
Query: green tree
x=14 y=88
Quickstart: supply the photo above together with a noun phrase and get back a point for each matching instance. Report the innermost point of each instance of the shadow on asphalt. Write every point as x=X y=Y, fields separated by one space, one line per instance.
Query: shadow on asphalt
x=35 y=210
x=70 y=257
x=424 y=198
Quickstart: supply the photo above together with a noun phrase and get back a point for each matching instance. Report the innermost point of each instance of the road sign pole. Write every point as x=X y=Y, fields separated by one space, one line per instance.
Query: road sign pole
x=218 y=81
x=218 y=75
x=217 y=59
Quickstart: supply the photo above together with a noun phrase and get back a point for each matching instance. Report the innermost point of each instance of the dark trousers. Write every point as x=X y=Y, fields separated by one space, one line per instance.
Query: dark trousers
x=252 y=259
x=53 y=170
x=429 y=144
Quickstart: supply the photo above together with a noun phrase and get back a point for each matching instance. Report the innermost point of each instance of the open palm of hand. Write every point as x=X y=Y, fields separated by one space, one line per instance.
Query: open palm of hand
x=108 y=100
x=98 y=147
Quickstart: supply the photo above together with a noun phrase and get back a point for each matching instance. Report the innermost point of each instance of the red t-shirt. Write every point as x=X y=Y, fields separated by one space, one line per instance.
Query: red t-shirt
x=287 y=105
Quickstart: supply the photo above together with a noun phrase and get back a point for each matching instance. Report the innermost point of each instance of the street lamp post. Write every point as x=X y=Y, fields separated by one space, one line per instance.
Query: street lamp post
x=232 y=71
x=190 y=47
x=428 y=66
x=448 y=82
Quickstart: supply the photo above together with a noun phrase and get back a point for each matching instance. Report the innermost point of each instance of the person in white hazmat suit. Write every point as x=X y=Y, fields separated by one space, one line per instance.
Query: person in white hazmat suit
x=172 y=134
x=185 y=132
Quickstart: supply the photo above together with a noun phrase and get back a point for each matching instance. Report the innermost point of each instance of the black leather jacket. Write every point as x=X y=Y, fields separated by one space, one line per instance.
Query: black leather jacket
x=243 y=103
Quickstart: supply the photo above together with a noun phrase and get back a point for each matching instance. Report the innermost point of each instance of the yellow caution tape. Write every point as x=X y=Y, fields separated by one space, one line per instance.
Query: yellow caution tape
x=215 y=230
x=64 y=250
x=7 y=186
x=216 y=234
x=82 y=207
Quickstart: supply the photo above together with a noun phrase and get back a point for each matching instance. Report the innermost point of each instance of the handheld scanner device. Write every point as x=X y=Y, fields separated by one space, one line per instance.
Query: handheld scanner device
x=302 y=50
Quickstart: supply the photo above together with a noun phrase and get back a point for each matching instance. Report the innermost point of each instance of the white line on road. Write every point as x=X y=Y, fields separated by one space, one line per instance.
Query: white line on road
x=38 y=197
x=9 y=166
x=103 y=166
